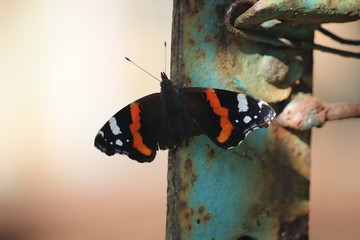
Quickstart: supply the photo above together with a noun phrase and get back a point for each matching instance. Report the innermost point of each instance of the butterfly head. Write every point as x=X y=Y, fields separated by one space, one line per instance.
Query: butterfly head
x=165 y=81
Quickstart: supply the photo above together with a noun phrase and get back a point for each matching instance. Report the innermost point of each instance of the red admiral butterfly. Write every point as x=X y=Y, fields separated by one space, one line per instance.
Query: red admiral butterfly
x=167 y=119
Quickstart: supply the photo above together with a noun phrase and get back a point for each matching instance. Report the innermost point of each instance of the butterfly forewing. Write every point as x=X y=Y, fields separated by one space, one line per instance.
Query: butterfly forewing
x=127 y=132
x=226 y=117
x=246 y=114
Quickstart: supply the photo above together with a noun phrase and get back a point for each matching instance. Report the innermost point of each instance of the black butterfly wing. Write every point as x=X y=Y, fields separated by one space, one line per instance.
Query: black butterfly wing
x=226 y=117
x=132 y=130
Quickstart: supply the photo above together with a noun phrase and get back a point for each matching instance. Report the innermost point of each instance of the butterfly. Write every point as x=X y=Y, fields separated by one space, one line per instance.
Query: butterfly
x=168 y=119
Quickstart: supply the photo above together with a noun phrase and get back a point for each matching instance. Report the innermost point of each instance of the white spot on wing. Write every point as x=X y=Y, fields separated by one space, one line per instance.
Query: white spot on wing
x=101 y=133
x=261 y=103
x=118 y=142
x=114 y=127
x=236 y=120
x=255 y=117
x=242 y=103
x=247 y=119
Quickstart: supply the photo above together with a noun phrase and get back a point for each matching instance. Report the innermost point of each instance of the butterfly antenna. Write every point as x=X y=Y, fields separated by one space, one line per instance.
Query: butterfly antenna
x=165 y=56
x=142 y=69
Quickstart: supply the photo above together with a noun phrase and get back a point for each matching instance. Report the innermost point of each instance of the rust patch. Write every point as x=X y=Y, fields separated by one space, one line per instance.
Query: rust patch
x=182 y=204
x=191 y=212
x=210 y=154
x=186 y=213
x=184 y=187
x=188 y=165
x=189 y=171
x=207 y=38
x=189 y=228
x=204 y=217
x=185 y=80
x=200 y=55
x=193 y=7
x=201 y=210
x=207 y=218
x=191 y=42
x=200 y=27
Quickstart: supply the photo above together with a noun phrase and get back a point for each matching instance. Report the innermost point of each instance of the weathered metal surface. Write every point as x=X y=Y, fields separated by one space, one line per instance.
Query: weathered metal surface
x=272 y=22
x=314 y=12
x=260 y=189
x=305 y=111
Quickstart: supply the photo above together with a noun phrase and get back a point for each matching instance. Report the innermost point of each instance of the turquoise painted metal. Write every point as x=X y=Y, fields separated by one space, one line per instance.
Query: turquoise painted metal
x=260 y=189
x=299 y=12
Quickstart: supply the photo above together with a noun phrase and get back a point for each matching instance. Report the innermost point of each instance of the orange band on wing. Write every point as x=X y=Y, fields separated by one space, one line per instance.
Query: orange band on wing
x=222 y=112
x=134 y=128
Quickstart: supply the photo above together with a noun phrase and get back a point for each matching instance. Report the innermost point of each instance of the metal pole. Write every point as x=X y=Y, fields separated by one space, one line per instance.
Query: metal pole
x=260 y=189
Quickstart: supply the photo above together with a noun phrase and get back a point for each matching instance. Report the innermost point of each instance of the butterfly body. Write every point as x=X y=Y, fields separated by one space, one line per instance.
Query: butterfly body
x=174 y=127
x=168 y=119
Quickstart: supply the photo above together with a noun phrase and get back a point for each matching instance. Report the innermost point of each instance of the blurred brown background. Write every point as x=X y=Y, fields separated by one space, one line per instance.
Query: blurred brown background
x=62 y=75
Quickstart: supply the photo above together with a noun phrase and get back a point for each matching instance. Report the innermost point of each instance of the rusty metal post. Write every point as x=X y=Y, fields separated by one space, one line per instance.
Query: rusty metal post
x=260 y=189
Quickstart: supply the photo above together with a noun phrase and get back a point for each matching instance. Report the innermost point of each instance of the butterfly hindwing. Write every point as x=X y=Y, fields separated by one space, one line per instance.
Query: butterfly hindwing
x=127 y=132
x=226 y=117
